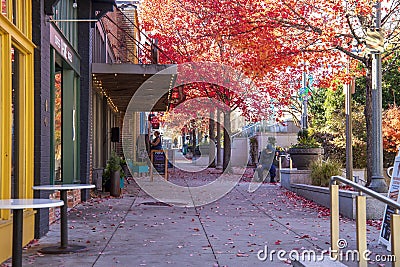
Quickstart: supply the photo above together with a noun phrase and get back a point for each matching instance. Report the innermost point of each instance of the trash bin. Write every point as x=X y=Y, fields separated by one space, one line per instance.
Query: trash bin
x=115 y=189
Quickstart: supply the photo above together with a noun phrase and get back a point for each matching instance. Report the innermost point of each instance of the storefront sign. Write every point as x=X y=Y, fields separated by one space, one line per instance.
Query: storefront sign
x=62 y=46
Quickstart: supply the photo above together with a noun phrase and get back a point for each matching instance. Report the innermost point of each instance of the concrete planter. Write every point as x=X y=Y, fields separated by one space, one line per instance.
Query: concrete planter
x=294 y=176
x=298 y=181
x=302 y=157
x=347 y=200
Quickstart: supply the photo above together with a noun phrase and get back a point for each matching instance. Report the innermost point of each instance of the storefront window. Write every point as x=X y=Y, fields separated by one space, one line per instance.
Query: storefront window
x=14 y=12
x=65 y=10
x=15 y=57
x=4 y=7
x=58 y=126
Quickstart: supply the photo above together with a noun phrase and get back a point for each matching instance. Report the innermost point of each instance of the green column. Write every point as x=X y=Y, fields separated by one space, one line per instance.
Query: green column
x=69 y=130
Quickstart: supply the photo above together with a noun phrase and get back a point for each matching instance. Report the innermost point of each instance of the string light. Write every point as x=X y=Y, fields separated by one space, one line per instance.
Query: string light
x=103 y=92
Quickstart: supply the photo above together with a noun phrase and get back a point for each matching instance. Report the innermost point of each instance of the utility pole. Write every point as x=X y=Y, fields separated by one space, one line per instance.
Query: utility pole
x=378 y=183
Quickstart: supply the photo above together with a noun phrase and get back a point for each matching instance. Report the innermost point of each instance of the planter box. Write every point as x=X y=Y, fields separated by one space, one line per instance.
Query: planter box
x=347 y=200
x=302 y=157
x=294 y=176
x=299 y=182
x=139 y=169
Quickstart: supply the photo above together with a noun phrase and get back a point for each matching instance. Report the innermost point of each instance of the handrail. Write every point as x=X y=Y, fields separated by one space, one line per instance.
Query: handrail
x=367 y=191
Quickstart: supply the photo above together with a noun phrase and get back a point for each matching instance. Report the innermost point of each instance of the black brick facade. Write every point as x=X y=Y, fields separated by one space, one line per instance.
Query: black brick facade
x=41 y=38
x=84 y=50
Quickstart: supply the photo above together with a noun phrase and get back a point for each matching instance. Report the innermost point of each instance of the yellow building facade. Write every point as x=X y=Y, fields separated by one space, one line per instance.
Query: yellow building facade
x=16 y=116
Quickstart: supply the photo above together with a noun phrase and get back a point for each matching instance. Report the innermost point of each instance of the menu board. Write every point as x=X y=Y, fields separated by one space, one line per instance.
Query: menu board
x=159 y=162
x=393 y=193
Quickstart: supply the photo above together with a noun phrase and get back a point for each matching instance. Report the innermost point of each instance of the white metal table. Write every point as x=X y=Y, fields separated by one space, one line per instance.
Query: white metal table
x=63 y=188
x=18 y=206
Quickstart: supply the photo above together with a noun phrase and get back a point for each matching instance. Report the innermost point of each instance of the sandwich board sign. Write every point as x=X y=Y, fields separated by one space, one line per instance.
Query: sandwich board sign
x=393 y=193
x=159 y=163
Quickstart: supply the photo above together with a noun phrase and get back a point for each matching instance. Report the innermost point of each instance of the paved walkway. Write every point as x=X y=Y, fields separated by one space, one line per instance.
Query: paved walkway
x=136 y=230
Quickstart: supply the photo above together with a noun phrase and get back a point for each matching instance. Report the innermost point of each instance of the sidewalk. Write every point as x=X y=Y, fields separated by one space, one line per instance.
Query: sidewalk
x=136 y=230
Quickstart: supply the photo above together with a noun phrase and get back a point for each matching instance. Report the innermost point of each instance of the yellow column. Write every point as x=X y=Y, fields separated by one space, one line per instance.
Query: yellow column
x=334 y=188
x=395 y=241
x=5 y=119
x=361 y=228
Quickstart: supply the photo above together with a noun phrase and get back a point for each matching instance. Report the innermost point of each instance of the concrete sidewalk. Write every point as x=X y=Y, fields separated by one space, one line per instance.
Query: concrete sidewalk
x=136 y=230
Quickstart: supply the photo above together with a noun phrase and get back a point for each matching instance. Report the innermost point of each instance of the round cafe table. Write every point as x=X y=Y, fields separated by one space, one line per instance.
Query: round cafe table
x=64 y=246
x=18 y=206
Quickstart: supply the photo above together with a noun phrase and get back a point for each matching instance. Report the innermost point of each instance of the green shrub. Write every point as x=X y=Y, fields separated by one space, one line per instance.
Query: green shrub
x=113 y=165
x=322 y=171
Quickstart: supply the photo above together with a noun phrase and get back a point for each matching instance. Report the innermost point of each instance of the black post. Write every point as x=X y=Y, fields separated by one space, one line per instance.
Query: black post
x=17 y=238
x=64 y=219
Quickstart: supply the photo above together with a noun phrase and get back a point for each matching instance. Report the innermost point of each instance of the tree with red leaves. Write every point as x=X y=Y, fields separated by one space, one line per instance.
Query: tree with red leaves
x=391 y=129
x=274 y=42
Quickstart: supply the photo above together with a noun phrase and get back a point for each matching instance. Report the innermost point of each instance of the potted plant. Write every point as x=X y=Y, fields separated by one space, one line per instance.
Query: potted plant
x=112 y=175
x=305 y=151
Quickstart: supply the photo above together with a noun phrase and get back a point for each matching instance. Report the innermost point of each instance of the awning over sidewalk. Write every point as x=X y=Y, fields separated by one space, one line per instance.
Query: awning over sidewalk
x=121 y=81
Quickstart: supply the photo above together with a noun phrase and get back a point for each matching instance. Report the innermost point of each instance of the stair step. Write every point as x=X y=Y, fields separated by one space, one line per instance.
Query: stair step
x=326 y=262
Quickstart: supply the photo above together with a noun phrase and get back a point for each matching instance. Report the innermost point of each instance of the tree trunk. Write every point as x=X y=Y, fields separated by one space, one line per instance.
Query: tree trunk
x=211 y=137
x=368 y=119
x=226 y=166
x=219 y=161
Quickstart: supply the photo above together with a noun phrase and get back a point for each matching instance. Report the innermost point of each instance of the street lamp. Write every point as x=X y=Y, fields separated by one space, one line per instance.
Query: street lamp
x=378 y=183
x=304 y=123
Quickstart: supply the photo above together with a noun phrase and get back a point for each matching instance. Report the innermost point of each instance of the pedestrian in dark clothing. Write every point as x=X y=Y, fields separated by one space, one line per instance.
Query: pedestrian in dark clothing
x=156 y=143
x=266 y=162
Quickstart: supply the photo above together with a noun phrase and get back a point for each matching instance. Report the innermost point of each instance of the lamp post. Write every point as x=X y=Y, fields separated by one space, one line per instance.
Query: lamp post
x=349 y=148
x=304 y=123
x=378 y=183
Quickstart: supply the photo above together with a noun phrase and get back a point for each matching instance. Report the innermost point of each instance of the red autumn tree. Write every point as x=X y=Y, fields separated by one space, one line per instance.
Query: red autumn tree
x=391 y=129
x=273 y=42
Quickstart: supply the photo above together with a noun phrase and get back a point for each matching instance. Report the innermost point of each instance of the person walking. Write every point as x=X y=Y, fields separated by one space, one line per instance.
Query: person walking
x=266 y=162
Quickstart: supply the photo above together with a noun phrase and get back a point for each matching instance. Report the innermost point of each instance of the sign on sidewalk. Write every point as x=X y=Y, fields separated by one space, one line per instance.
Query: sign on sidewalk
x=159 y=162
x=393 y=193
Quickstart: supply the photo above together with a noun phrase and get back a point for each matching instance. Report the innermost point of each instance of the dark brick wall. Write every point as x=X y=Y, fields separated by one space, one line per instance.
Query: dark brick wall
x=85 y=51
x=41 y=38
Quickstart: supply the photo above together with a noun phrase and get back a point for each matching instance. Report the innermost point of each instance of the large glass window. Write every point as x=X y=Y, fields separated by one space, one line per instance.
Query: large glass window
x=15 y=57
x=67 y=10
x=16 y=102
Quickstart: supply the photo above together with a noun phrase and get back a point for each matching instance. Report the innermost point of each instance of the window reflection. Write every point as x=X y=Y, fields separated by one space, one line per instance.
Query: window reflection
x=15 y=57
x=57 y=126
x=4 y=7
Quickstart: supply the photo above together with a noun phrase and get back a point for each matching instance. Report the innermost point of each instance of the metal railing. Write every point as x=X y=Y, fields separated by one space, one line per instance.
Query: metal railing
x=361 y=219
x=129 y=43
